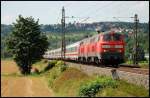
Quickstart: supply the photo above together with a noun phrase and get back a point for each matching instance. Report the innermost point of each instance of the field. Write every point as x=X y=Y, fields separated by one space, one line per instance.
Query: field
x=13 y=84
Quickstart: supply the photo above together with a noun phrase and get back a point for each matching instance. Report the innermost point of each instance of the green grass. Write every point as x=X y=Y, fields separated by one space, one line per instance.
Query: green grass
x=68 y=83
x=124 y=89
x=142 y=64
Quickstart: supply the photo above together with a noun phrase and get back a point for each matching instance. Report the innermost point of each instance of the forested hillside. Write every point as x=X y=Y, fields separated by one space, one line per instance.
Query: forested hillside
x=76 y=32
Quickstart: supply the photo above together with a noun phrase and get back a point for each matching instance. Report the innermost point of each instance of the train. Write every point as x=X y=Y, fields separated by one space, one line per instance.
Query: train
x=105 y=48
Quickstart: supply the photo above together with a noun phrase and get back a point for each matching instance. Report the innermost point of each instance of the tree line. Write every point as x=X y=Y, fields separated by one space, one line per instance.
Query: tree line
x=78 y=31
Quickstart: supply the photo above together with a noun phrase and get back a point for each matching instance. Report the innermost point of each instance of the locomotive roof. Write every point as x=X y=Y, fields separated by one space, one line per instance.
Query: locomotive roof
x=73 y=44
x=110 y=32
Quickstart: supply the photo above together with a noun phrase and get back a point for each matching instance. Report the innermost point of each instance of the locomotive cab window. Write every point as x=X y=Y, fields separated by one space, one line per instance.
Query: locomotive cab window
x=117 y=37
x=106 y=37
x=114 y=37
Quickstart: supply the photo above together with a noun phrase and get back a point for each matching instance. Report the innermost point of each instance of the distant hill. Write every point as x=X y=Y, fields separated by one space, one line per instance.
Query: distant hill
x=78 y=31
x=84 y=27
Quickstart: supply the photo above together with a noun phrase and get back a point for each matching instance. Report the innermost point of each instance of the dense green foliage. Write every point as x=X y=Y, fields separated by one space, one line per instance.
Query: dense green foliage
x=50 y=65
x=92 y=87
x=26 y=43
x=62 y=66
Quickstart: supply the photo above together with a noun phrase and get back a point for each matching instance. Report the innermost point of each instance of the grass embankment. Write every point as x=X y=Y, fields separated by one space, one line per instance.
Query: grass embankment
x=73 y=82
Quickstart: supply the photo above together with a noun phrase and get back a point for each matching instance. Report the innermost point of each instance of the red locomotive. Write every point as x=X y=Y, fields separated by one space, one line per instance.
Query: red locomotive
x=104 y=48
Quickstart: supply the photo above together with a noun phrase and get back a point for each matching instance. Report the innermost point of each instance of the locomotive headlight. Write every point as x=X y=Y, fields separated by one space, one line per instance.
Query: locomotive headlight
x=118 y=46
x=105 y=50
x=105 y=46
x=119 y=50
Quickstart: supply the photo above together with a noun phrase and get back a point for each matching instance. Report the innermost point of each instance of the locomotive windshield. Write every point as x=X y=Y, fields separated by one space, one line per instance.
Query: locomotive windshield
x=110 y=37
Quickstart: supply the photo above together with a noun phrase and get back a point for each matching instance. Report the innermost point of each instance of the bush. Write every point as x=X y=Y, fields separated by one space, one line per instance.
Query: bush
x=45 y=61
x=50 y=65
x=58 y=67
x=62 y=66
x=107 y=82
x=53 y=62
x=92 y=87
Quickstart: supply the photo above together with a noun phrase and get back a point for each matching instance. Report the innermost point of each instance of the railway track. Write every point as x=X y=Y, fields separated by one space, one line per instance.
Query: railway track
x=135 y=70
x=126 y=68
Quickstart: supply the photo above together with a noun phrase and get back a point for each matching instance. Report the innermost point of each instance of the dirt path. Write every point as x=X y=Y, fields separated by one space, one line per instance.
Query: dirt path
x=20 y=86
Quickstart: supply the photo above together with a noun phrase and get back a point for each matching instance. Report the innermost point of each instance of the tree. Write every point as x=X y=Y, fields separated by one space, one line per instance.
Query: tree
x=26 y=43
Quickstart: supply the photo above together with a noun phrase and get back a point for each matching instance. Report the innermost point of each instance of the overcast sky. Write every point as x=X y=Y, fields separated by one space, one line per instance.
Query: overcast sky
x=49 y=12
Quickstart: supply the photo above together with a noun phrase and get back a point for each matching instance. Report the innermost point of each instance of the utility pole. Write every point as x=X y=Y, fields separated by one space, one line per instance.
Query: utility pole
x=136 y=20
x=63 y=48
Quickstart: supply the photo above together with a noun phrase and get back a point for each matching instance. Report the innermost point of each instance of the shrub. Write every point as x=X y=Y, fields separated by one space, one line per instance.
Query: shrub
x=45 y=61
x=92 y=87
x=50 y=65
x=62 y=66
x=53 y=62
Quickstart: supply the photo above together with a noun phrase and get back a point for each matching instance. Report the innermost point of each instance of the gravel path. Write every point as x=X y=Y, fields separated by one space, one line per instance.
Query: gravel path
x=21 y=86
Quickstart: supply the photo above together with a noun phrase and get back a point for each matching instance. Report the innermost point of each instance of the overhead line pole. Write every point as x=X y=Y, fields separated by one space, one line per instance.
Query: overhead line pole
x=136 y=20
x=63 y=48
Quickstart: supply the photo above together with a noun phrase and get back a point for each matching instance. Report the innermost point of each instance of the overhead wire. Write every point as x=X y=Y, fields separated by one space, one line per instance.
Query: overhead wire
x=100 y=9
x=91 y=13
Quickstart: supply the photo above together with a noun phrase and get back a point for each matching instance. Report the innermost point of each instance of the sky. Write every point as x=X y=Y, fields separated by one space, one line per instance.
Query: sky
x=49 y=12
